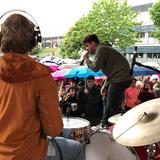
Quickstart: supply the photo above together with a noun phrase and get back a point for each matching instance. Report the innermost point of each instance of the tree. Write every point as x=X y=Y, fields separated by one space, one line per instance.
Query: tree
x=155 y=16
x=35 y=50
x=111 y=20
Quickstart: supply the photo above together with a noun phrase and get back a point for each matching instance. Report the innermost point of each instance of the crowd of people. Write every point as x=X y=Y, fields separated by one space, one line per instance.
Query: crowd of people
x=90 y=101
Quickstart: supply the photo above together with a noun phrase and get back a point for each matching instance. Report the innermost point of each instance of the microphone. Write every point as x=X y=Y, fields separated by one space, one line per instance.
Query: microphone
x=133 y=60
x=82 y=61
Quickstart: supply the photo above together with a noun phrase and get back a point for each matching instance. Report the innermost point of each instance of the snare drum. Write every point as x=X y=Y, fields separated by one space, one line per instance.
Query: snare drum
x=76 y=128
x=102 y=146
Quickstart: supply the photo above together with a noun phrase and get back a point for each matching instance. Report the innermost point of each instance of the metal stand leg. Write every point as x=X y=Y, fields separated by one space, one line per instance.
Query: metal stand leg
x=151 y=150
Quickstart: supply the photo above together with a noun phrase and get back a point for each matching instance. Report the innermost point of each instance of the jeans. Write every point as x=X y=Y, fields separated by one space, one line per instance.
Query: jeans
x=114 y=99
x=60 y=148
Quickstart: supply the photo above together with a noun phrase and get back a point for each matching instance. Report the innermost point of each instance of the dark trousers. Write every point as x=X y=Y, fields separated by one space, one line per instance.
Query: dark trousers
x=114 y=99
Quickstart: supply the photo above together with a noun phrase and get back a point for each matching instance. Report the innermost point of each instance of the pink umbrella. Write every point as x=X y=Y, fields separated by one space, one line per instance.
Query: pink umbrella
x=100 y=77
x=52 y=66
x=60 y=73
x=68 y=66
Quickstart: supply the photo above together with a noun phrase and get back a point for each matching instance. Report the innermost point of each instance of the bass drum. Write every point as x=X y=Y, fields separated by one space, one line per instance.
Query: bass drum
x=103 y=147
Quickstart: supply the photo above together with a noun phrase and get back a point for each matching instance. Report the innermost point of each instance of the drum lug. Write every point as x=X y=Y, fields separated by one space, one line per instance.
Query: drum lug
x=151 y=150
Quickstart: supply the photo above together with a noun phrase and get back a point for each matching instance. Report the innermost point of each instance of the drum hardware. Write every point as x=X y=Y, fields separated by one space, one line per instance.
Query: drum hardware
x=151 y=150
x=114 y=119
x=140 y=125
x=68 y=109
x=77 y=129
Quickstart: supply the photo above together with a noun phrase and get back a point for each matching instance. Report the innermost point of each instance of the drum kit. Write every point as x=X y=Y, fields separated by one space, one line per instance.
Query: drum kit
x=135 y=135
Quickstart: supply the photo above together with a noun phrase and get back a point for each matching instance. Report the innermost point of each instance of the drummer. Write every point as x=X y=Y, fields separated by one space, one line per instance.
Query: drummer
x=29 y=99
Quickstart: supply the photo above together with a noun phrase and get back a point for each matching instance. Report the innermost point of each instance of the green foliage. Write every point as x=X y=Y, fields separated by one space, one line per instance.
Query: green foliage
x=36 y=50
x=111 y=20
x=155 y=16
x=48 y=51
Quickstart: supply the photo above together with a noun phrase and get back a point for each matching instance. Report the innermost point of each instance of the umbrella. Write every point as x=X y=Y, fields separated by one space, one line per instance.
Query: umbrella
x=60 y=73
x=142 y=71
x=82 y=72
x=52 y=66
x=68 y=66
x=152 y=64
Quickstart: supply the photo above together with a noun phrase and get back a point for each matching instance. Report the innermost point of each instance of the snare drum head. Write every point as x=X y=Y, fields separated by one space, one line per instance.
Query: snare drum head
x=74 y=122
x=102 y=147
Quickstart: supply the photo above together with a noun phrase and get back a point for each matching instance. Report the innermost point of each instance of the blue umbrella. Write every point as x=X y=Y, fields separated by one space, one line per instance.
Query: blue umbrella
x=82 y=72
x=142 y=71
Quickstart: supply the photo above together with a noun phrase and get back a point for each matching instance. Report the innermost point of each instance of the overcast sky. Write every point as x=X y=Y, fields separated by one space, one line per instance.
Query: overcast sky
x=54 y=17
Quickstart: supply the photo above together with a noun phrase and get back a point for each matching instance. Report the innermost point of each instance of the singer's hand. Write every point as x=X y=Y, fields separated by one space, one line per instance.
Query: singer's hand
x=86 y=56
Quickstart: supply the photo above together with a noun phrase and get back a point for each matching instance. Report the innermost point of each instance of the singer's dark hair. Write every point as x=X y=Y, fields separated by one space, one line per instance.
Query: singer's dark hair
x=91 y=38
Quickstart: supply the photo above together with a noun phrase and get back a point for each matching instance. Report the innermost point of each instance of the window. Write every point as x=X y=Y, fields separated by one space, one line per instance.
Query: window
x=140 y=55
x=155 y=55
x=142 y=35
x=149 y=55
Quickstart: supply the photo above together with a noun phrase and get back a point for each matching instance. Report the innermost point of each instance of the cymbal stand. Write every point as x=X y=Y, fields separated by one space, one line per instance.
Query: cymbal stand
x=151 y=150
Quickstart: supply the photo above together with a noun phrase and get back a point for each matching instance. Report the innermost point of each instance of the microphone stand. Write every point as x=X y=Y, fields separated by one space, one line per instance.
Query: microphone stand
x=149 y=67
x=68 y=110
x=140 y=64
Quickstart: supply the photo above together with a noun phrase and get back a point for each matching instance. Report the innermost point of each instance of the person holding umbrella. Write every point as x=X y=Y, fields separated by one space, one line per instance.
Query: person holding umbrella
x=116 y=68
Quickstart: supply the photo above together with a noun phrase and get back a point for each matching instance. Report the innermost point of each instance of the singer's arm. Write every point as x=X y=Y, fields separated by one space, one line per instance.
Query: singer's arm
x=98 y=62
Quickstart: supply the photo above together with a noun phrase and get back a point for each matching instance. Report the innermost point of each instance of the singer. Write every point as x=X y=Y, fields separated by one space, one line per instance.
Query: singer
x=116 y=68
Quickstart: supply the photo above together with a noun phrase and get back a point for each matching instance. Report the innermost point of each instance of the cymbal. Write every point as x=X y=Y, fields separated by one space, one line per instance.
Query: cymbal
x=139 y=126
x=115 y=118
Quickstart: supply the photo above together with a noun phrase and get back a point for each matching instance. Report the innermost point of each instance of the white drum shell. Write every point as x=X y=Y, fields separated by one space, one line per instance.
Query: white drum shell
x=103 y=147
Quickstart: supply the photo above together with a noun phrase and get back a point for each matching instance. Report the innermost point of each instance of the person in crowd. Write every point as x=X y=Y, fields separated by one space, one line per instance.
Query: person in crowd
x=147 y=93
x=139 y=85
x=131 y=96
x=29 y=106
x=89 y=100
x=81 y=84
x=156 y=89
x=116 y=68
x=153 y=79
x=74 y=82
x=69 y=105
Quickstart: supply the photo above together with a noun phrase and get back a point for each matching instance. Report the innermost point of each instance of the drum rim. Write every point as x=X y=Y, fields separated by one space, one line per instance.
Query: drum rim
x=77 y=118
x=88 y=123
x=131 y=149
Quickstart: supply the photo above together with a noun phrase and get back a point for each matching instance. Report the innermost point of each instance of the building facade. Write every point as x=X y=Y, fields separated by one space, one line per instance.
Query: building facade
x=148 y=48
x=51 y=42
